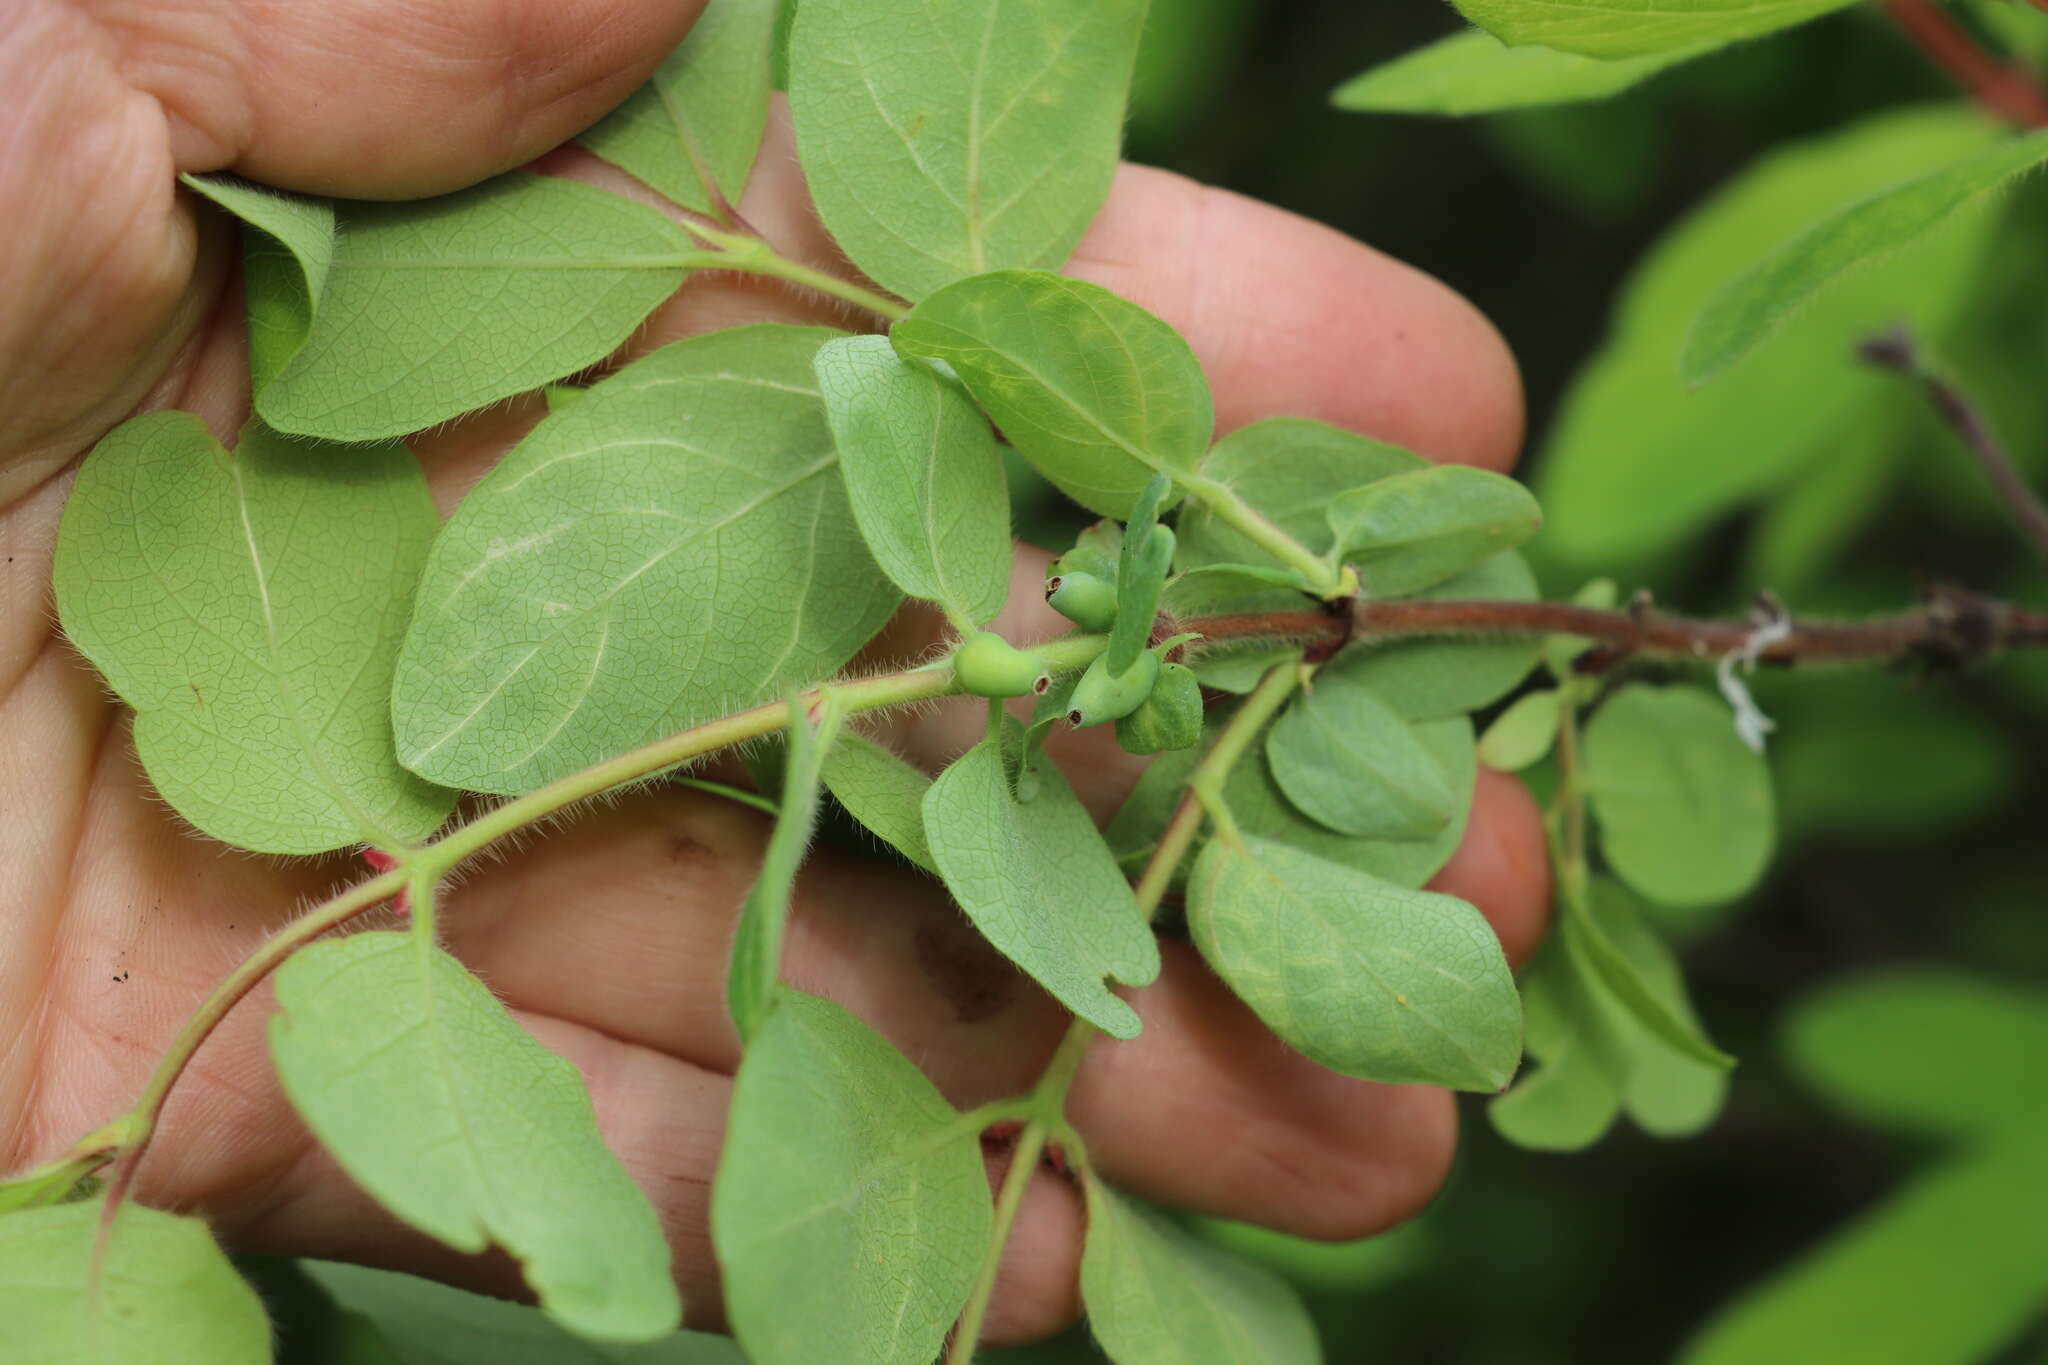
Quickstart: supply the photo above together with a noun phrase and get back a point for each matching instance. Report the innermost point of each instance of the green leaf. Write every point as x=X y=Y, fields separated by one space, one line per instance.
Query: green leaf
x=1718 y=448
x=421 y=1322
x=672 y=547
x=439 y=306
x=165 y=1293
x=1096 y=392
x=692 y=131
x=751 y=984
x=1628 y=28
x=1427 y=679
x=851 y=1209
x=1262 y=809
x=1522 y=734
x=1655 y=1009
x=1215 y=589
x=923 y=475
x=1289 y=468
x=1364 y=977
x=1157 y=1294
x=1757 y=302
x=1946 y=1272
x=1475 y=73
x=249 y=605
x=1347 y=760
x=1950 y=1055
x=883 y=792
x=948 y=140
x=1412 y=531
x=285 y=259
x=1141 y=570
x=1040 y=884
x=1569 y=1100
x=1597 y=1055
x=449 y=1114
x=1685 y=808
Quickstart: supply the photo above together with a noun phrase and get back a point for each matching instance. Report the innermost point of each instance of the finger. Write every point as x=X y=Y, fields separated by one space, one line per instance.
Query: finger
x=623 y=923
x=665 y=1121
x=387 y=99
x=1293 y=318
x=1502 y=865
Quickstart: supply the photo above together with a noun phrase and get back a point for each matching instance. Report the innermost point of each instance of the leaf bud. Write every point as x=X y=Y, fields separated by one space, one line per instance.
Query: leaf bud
x=1171 y=718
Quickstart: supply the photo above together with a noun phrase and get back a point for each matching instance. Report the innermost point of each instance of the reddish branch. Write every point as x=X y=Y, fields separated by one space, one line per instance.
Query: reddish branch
x=1896 y=351
x=1954 y=628
x=2006 y=89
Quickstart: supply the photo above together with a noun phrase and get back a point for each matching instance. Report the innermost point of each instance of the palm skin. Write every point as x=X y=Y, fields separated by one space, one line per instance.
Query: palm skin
x=608 y=938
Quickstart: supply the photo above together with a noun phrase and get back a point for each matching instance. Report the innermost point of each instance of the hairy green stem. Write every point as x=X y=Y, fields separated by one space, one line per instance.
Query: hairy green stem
x=738 y=251
x=1048 y=1098
x=424 y=867
x=1224 y=503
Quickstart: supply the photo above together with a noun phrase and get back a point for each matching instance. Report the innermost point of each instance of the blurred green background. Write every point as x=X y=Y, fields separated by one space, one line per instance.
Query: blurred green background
x=1913 y=834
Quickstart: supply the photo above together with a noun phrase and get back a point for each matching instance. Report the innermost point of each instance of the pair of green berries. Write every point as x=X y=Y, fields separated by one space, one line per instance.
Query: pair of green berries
x=1156 y=705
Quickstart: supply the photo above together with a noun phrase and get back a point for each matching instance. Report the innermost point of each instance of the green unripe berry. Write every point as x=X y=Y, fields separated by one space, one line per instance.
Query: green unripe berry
x=1089 y=602
x=1101 y=695
x=1171 y=718
x=990 y=666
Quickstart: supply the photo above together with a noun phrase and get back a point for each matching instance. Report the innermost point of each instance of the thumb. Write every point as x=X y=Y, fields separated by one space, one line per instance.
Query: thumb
x=390 y=99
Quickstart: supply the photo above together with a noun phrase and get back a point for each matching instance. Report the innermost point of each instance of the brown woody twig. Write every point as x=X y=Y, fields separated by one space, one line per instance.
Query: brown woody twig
x=1954 y=628
x=2006 y=89
x=1897 y=351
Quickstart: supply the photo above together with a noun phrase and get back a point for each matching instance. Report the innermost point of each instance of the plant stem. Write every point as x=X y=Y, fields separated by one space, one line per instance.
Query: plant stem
x=1222 y=501
x=1204 y=795
x=1955 y=626
x=1016 y=1180
x=2005 y=89
x=753 y=255
x=1898 y=352
x=1049 y=1096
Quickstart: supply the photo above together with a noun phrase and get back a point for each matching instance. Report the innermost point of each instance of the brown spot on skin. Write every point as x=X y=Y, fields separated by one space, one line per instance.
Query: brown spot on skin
x=971 y=976
x=685 y=849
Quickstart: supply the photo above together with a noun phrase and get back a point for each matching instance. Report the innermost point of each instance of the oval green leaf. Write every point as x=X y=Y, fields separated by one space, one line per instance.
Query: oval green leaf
x=451 y=1116
x=1367 y=978
x=436 y=307
x=692 y=131
x=1289 y=468
x=1522 y=734
x=249 y=604
x=1763 y=425
x=1096 y=392
x=1157 y=1294
x=923 y=475
x=165 y=1293
x=851 y=1209
x=1039 y=882
x=421 y=1322
x=1753 y=305
x=1629 y=28
x=1684 y=807
x=1348 y=761
x=941 y=141
x=673 y=546
x=1412 y=531
x=1950 y=1055
x=1949 y=1270
x=1475 y=73
x=285 y=258
x=883 y=792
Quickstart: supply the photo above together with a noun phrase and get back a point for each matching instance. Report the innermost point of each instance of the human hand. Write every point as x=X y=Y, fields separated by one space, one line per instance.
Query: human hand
x=609 y=939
